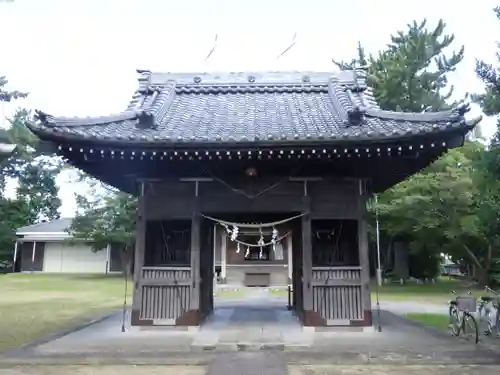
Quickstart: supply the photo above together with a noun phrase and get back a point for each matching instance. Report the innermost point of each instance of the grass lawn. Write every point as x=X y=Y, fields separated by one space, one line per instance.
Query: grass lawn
x=230 y=293
x=279 y=292
x=34 y=306
x=438 y=293
x=437 y=321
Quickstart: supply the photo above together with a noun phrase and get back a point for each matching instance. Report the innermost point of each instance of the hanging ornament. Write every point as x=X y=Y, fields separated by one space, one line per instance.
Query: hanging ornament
x=261 y=253
x=238 y=248
x=275 y=236
x=247 y=253
x=234 y=233
x=261 y=239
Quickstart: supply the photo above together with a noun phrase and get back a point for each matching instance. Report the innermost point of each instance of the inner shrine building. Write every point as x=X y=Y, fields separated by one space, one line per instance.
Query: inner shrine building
x=273 y=168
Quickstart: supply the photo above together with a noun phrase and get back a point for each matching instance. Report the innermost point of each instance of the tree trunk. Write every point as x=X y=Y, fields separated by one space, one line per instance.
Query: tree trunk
x=480 y=271
x=389 y=261
x=482 y=276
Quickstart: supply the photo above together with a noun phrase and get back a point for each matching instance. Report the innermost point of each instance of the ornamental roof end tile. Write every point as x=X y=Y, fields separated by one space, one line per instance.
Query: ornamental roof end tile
x=256 y=107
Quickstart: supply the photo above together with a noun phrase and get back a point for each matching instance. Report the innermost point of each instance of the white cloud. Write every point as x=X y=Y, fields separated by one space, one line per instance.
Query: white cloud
x=78 y=57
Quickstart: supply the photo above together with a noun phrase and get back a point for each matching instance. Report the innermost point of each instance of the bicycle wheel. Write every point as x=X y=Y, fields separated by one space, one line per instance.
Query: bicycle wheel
x=454 y=320
x=485 y=320
x=497 y=321
x=490 y=326
x=469 y=327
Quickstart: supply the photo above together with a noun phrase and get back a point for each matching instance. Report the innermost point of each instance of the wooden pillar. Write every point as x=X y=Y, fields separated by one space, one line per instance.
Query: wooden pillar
x=214 y=251
x=140 y=244
x=33 y=256
x=195 y=258
x=108 y=258
x=16 y=244
x=310 y=317
x=364 y=260
x=192 y=315
x=289 y=249
x=223 y=258
x=307 y=292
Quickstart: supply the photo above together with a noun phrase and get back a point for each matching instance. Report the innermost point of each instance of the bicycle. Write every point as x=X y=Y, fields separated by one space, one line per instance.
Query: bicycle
x=461 y=319
x=487 y=307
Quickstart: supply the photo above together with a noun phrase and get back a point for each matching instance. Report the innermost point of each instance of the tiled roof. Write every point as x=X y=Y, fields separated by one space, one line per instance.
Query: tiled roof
x=6 y=148
x=54 y=226
x=181 y=109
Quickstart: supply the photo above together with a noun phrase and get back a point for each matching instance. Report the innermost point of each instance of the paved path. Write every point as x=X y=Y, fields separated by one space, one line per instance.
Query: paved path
x=406 y=307
x=291 y=370
x=255 y=334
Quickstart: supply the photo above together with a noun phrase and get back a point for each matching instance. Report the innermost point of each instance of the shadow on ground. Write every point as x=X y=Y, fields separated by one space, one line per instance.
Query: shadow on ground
x=251 y=327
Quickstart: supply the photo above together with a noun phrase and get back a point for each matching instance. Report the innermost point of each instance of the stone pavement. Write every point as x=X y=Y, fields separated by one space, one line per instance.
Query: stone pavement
x=290 y=369
x=255 y=335
x=406 y=307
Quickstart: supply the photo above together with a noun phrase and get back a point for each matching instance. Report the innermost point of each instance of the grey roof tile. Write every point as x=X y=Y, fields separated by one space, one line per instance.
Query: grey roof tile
x=54 y=226
x=182 y=108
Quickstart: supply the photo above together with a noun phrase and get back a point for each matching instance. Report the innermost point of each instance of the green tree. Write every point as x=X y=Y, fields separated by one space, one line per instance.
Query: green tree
x=26 y=145
x=36 y=196
x=37 y=188
x=411 y=75
x=489 y=100
x=9 y=95
x=14 y=214
x=106 y=216
x=439 y=210
x=488 y=167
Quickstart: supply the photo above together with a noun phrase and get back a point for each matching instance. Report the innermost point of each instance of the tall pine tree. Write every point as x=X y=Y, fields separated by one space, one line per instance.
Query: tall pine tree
x=489 y=101
x=411 y=73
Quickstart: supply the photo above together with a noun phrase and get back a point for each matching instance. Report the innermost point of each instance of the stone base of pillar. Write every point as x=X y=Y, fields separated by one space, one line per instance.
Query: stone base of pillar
x=189 y=318
x=366 y=322
x=314 y=319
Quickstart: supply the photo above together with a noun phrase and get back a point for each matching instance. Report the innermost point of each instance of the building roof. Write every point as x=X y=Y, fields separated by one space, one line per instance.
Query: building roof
x=171 y=110
x=54 y=226
x=6 y=148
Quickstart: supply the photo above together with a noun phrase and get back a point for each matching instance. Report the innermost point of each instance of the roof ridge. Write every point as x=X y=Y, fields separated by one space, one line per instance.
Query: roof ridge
x=147 y=77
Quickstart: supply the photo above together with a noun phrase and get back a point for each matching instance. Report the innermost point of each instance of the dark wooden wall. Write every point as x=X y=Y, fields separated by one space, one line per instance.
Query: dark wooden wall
x=192 y=284
x=26 y=250
x=329 y=199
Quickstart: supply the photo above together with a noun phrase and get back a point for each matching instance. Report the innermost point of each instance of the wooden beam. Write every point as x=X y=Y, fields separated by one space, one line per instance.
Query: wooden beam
x=173 y=282
x=289 y=248
x=195 y=253
x=300 y=179
x=223 y=257
x=196 y=179
x=140 y=244
x=364 y=260
x=307 y=252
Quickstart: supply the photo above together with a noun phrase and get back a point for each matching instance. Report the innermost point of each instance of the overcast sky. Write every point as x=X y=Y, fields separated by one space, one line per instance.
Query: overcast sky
x=78 y=57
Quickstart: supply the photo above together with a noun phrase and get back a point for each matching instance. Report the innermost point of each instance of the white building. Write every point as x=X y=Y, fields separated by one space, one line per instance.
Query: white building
x=46 y=247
